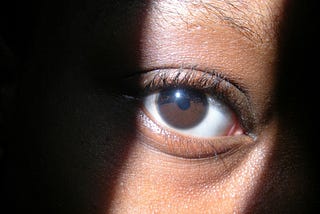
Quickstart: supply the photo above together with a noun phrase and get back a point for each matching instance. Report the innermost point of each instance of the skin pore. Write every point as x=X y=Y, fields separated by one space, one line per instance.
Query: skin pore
x=89 y=139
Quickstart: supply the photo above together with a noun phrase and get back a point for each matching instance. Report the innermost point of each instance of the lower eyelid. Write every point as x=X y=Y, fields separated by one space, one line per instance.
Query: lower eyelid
x=184 y=146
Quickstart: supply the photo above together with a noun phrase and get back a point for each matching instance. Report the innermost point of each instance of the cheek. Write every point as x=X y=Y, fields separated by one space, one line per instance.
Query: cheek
x=152 y=181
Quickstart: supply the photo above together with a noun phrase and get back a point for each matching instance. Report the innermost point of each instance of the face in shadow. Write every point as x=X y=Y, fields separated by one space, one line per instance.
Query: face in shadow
x=155 y=106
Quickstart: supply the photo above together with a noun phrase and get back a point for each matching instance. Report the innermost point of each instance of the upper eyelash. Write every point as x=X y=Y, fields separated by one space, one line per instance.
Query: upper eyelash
x=213 y=73
x=214 y=84
x=160 y=80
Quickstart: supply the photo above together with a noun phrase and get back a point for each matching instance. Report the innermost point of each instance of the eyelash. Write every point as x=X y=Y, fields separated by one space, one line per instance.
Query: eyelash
x=137 y=87
x=212 y=84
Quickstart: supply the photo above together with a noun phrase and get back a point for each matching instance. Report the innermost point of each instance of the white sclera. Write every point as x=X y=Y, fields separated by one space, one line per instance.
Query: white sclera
x=217 y=122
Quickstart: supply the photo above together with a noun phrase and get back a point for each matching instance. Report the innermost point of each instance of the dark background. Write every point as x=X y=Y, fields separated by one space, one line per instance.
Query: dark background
x=297 y=93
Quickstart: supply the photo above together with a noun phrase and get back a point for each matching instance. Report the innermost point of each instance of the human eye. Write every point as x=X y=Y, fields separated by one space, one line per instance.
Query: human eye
x=193 y=114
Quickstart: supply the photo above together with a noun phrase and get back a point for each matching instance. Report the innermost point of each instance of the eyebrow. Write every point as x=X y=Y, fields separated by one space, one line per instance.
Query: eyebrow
x=250 y=19
x=232 y=15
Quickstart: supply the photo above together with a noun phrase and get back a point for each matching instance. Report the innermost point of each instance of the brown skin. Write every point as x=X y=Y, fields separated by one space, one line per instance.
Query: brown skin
x=193 y=35
x=88 y=149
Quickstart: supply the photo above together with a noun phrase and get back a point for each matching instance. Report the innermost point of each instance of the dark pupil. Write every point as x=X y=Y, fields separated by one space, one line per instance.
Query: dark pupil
x=182 y=108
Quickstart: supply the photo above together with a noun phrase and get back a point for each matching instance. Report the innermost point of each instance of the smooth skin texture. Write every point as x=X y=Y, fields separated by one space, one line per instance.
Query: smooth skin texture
x=81 y=142
x=182 y=33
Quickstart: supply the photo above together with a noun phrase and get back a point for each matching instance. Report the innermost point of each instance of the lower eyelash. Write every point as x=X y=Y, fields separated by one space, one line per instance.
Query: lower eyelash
x=188 y=147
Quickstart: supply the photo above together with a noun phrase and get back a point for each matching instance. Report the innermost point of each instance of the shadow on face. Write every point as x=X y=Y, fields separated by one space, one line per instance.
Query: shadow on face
x=72 y=127
x=71 y=132
x=289 y=184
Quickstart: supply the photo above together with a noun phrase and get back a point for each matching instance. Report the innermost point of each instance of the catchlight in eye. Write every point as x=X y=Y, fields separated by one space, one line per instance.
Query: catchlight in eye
x=191 y=112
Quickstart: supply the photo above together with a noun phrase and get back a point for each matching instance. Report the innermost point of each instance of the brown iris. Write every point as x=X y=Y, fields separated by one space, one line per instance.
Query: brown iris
x=182 y=108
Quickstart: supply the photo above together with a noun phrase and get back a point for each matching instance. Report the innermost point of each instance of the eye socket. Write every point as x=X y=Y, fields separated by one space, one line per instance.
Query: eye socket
x=192 y=112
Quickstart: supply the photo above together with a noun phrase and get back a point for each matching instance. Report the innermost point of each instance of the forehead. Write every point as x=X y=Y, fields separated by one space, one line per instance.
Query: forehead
x=256 y=19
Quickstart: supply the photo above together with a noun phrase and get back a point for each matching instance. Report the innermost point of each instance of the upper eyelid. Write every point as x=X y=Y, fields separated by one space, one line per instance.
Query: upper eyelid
x=216 y=73
x=162 y=73
x=216 y=84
